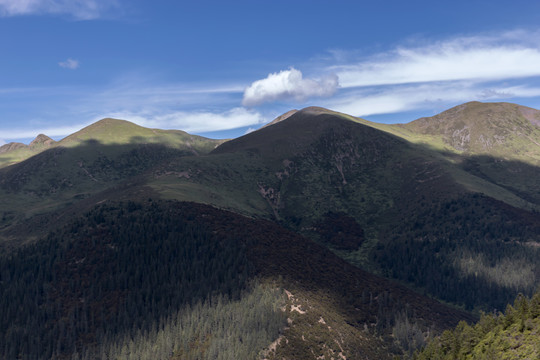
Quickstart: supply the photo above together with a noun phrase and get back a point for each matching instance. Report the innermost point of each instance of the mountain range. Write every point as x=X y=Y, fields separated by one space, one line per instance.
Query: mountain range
x=365 y=240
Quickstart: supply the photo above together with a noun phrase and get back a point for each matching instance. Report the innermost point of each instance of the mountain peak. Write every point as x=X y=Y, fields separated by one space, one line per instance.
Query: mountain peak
x=310 y=110
x=316 y=110
x=11 y=147
x=483 y=127
x=108 y=130
x=41 y=140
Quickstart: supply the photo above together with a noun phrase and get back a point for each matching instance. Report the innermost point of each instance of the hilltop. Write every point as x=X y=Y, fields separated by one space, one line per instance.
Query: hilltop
x=108 y=132
x=504 y=129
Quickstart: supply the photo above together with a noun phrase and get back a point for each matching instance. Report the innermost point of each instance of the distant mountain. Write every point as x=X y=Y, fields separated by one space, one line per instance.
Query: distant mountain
x=89 y=161
x=113 y=133
x=503 y=129
x=15 y=152
x=41 y=142
x=446 y=205
x=11 y=147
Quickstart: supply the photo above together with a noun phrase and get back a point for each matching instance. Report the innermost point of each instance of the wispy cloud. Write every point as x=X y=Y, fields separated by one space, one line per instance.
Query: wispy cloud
x=413 y=76
x=479 y=58
x=400 y=98
x=78 y=9
x=53 y=131
x=437 y=74
x=195 y=121
x=69 y=63
x=192 y=122
x=288 y=84
x=421 y=77
x=147 y=101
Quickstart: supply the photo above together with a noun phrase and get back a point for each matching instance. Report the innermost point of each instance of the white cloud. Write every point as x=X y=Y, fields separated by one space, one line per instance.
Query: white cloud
x=192 y=122
x=29 y=133
x=398 y=98
x=467 y=58
x=2 y=142
x=288 y=84
x=79 y=9
x=69 y=63
x=195 y=121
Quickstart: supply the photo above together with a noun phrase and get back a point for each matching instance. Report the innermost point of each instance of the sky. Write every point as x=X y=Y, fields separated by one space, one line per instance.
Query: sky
x=224 y=68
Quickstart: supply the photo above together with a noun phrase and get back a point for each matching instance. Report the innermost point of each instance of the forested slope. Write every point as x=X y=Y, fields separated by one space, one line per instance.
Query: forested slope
x=157 y=279
x=512 y=335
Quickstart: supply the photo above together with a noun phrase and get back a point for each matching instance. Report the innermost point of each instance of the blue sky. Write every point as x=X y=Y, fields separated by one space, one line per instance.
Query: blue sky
x=224 y=68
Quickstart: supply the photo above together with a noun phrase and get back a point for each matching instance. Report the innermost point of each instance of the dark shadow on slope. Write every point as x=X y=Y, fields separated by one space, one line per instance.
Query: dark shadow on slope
x=90 y=164
x=429 y=225
x=120 y=270
x=61 y=177
x=515 y=176
x=123 y=268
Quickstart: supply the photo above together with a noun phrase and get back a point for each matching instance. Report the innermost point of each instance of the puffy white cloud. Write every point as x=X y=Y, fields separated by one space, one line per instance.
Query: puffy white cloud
x=288 y=84
x=468 y=58
x=2 y=142
x=69 y=63
x=79 y=9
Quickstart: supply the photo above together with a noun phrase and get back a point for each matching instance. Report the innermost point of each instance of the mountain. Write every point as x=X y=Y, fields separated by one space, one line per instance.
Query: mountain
x=41 y=142
x=362 y=224
x=503 y=129
x=11 y=147
x=111 y=133
x=96 y=158
x=120 y=132
x=495 y=142
x=15 y=152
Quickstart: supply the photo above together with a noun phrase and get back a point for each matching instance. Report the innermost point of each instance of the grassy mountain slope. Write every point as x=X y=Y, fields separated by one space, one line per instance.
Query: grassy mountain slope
x=92 y=160
x=15 y=152
x=120 y=132
x=496 y=142
x=108 y=132
x=501 y=129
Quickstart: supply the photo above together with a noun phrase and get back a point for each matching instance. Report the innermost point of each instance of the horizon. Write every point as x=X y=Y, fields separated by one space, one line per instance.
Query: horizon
x=26 y=141
x=226 y=72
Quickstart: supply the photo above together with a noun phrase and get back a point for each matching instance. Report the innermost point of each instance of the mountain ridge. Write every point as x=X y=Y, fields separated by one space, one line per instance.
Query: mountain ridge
x=396 y=201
